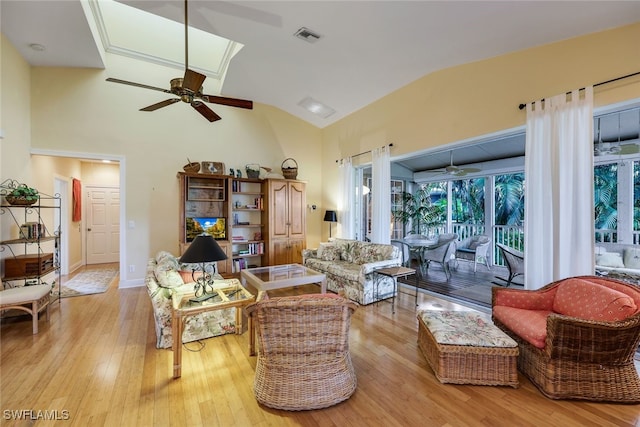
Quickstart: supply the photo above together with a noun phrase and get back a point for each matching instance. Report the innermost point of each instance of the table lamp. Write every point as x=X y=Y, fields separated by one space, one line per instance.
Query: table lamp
x=202 y=250
x=330 y=216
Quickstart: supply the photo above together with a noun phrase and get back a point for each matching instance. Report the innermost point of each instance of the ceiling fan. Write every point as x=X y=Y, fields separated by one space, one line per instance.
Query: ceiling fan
x=601 y=148
x=189 y=88
x=456 y=170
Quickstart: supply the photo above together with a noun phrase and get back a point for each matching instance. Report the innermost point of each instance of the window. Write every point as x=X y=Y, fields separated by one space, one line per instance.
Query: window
x=605 y=189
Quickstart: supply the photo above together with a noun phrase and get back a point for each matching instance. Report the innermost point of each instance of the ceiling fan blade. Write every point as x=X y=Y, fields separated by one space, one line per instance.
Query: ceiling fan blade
x=231 y=102
x=164 y=103
x=629 y=149
x=193 y=80
x=207 y=112
x=471 y=170
x=124 y=82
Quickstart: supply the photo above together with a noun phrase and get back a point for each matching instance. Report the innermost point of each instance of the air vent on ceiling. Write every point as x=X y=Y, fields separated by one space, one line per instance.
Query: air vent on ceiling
x=307 y=35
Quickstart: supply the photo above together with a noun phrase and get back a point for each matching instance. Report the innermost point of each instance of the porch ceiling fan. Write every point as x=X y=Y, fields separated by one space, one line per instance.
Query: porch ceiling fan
x=455 y=170
x=189 y=88
x=601 y=148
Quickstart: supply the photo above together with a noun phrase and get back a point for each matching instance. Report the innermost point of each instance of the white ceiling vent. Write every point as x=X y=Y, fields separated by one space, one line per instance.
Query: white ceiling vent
x=307 y=35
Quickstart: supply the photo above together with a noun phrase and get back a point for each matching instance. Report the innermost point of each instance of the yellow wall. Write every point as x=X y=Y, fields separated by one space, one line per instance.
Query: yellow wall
x=481 y=98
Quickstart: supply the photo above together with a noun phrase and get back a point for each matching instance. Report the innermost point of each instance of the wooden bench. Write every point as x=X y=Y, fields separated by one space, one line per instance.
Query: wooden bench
x=32 y=299
x=464 y=347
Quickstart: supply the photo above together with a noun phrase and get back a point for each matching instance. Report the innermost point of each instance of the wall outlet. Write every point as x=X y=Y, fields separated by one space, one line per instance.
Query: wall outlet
x=132 y=268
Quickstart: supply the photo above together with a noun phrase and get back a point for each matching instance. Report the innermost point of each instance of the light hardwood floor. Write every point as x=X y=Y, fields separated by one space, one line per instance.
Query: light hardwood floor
x=97 y=360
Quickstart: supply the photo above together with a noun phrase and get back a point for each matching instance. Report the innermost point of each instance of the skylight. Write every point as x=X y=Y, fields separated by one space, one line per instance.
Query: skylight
x=132 y=32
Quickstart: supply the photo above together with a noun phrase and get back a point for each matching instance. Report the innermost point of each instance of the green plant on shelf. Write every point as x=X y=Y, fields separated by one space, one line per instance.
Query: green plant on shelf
x=25 y=192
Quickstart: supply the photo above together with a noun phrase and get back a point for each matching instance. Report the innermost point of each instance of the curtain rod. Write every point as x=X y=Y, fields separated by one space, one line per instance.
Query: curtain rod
x=368 y=151
x=521 y=106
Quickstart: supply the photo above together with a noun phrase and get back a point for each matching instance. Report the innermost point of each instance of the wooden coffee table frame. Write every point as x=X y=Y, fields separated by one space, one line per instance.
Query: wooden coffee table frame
x=181 y=312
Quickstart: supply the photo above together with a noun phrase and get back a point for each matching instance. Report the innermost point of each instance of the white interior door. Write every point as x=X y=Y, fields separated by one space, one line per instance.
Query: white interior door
x=103 y=224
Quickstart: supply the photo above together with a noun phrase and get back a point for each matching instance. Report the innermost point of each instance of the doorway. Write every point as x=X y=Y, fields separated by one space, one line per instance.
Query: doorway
x=103 y=224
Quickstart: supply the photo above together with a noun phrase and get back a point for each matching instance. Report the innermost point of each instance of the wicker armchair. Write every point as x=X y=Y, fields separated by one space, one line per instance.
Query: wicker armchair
x=440 y=252
x=303 y=360
x=581 y=359
x=474 y=248
x=514 y=260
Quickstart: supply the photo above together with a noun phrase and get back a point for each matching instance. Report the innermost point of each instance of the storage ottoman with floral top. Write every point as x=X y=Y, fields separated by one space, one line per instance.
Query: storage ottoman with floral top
x=464 y=347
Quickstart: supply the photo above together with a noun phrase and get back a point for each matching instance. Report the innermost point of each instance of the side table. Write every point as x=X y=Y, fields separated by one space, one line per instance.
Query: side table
x=395 y=273
x=231 y=294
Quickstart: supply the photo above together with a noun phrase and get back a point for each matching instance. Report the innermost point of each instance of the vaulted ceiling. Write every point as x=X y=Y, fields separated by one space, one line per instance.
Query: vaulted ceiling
x=365 y=50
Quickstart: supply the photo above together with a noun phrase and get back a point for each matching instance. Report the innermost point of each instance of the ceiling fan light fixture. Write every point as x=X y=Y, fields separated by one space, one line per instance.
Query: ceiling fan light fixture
x=316 y=107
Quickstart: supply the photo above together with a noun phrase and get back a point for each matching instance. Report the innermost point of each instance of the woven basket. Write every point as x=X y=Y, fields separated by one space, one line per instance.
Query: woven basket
x=19 y=201
x=253 y=170
x=193 y=167
x=289 y=172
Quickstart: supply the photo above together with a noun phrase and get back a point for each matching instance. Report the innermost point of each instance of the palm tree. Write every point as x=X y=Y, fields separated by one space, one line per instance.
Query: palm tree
x=509 y=195
x=419 y=210
x=605 y=196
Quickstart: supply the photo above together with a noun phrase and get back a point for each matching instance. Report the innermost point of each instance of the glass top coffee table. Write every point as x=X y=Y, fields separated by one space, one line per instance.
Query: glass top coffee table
x=282 y=276
x=277 y=277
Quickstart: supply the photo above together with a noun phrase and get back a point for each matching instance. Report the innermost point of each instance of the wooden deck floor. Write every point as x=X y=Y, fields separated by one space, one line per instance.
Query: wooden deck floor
x=464 y=285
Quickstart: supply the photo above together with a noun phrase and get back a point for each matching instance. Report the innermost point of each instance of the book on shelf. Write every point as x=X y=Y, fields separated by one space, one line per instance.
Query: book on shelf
x=31 y=230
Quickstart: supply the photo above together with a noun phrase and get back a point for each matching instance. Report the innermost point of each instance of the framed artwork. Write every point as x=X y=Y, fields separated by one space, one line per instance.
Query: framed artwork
x=216 y=168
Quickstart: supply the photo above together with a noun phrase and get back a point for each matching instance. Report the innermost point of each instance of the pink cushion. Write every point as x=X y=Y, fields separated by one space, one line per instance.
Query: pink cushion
x=587 y=300
x=530 y=325
x=187 y=276
x=530 y=300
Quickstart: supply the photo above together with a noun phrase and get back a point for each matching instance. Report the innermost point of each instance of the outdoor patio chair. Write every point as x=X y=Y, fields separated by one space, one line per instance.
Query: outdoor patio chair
x=474 y=248
x=440 y=252
x=405 y=250
x=514 y=260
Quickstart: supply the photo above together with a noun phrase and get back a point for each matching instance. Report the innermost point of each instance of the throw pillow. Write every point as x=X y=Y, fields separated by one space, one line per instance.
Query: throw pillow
x=591 y=301
x=610 y=259
x=188 y=275
x=473 y=244
x=168 y=278
x=632 y=257
x=322 y=247
x=330 y=253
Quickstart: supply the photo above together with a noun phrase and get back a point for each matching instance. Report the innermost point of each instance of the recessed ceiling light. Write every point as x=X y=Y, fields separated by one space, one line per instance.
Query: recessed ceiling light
x=106 y=161
x=316 y=107
x=37 y=47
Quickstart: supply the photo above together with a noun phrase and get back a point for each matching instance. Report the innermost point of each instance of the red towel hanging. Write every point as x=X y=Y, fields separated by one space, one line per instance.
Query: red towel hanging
x=77 y=200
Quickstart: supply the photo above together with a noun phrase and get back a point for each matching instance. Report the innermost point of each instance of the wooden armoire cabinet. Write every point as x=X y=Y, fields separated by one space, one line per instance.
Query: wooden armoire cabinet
x=285 y=221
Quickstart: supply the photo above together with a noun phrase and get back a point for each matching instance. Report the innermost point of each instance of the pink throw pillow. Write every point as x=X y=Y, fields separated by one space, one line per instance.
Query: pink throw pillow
x=591 y=301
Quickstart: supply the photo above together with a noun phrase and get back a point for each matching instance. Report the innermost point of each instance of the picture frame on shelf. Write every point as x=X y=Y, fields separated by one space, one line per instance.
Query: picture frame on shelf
x=215 y=168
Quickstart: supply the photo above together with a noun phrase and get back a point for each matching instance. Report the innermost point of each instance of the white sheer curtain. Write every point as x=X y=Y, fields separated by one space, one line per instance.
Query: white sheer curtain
x=559 y=217
x=380 y=196
x=346 y=207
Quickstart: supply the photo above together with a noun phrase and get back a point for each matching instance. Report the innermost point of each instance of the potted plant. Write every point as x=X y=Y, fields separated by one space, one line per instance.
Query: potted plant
x=419 y=211
x=22 y=195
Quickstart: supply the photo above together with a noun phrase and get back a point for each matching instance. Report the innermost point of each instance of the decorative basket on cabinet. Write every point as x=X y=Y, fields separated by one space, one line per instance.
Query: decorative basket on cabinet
x=289 y=172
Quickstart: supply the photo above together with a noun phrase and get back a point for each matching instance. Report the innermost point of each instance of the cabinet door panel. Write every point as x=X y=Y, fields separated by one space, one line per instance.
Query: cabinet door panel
x=278 y=213
x=297 y=206
x=280 y=252
x=295 y=251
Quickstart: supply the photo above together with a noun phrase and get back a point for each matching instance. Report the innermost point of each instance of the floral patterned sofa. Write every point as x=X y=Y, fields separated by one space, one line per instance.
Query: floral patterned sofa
x=349 y=266
x=165 y=277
